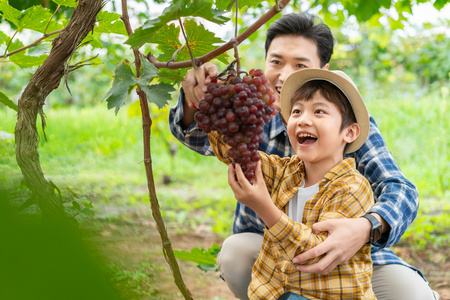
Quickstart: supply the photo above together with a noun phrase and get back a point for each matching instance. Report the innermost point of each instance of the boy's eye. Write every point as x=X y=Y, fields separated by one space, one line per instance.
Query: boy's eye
x=319 y=111
x=296 y=111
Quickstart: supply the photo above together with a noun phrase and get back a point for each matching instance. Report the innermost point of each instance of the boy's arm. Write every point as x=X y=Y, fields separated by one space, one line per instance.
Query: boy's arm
x=351 y=199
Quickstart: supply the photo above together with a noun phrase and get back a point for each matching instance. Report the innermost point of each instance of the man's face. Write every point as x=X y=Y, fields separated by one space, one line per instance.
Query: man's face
x=286 y=54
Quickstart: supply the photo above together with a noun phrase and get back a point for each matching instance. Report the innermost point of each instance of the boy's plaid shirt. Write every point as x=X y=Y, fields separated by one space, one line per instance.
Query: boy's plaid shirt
x=396 y=198
x=343 y=193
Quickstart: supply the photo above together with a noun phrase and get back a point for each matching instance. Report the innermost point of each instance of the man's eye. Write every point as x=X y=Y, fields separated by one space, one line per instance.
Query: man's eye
x=302 y=66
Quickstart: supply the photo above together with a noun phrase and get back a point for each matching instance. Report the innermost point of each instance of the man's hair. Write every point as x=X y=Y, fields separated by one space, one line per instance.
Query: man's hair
x=330 y=92
x=305 y=25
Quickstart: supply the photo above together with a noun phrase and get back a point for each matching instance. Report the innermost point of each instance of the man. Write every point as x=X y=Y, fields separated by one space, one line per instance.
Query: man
x=294 y=42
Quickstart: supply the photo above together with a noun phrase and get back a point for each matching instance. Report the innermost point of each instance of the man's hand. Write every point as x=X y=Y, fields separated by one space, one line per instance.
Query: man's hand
x=194 y=87
x=345 y=238
x=195 y=82
x=255 y=196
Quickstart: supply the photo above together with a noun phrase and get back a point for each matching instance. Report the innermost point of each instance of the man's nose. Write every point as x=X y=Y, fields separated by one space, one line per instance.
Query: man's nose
x=285 y=72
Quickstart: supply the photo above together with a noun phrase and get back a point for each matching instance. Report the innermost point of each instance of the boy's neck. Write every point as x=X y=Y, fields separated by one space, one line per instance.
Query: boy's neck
x=314 y=172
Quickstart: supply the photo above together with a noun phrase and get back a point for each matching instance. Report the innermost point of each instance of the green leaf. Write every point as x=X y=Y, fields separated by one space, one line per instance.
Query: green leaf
x=158 y=93
x=110 y=23
x=27 y=61
x=229 y=4
x=4 y=39
x=177 y=9
x=439 y=4
x=197 y=255
x=148 y=72
x=9 y=13
x=69 y=3
x=124 y=82
x=200 y=40
x=7 y=102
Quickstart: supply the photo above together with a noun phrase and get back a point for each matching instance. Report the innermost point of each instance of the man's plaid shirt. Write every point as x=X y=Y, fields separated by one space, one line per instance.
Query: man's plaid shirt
x=396 y=198
x=343 y=193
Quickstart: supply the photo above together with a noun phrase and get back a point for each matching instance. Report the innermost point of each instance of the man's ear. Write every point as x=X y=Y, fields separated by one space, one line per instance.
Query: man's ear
x=351 y=133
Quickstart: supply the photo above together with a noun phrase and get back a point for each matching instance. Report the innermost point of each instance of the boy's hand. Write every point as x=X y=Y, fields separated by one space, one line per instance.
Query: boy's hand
x=255 y=196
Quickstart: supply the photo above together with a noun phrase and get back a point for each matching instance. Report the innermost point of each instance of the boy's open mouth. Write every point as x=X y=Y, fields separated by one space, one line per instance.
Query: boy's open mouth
x=306 y=139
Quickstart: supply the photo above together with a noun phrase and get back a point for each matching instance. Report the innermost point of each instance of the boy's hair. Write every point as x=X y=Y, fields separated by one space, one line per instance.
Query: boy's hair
x=330 y=92
x=307 y=26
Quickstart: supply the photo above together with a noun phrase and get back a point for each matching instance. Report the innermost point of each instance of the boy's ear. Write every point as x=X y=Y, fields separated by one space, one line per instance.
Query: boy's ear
x=351 y=133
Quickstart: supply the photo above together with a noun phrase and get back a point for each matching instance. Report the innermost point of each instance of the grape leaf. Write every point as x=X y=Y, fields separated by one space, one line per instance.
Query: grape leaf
x=27 y=61
x=110 y=23
x=200 y=40
x=197 y=255
x=4 y=39
x=9 y=13
x=69 y=3
x=148 y=72
x=158 y=93
x=176 y=10
x=123 y=84
x=228 y=4
x=7 y=102
x=125 y=81
x=439 y=4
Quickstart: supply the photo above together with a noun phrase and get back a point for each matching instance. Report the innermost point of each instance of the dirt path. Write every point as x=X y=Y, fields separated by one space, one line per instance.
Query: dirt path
x=132 y=250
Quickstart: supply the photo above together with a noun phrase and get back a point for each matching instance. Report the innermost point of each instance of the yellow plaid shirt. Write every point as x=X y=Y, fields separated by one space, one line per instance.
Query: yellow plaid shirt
x=343 y=193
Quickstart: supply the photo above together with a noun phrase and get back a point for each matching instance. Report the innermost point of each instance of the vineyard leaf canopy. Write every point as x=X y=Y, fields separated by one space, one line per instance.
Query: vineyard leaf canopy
x=176 y=10
x=200 y=40
x=125 y=81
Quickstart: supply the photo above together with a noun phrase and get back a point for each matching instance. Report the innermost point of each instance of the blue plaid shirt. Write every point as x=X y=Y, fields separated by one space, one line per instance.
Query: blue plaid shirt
x=396 y=198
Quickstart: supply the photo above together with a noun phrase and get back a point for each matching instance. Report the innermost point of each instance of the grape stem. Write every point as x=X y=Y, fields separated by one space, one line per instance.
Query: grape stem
x=236 y=56
x=194 y=65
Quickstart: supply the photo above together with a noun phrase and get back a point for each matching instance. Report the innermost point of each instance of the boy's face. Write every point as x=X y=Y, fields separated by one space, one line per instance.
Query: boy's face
x=286 y=54
x=314 y=129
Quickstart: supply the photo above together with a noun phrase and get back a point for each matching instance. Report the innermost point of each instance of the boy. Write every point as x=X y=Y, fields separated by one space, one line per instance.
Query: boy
x=326 y=118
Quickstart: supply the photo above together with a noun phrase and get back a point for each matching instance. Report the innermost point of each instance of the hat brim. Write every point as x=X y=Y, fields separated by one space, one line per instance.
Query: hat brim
x=340 y=80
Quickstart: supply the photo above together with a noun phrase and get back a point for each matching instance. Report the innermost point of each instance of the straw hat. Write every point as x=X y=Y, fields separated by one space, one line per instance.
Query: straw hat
x=343 y=82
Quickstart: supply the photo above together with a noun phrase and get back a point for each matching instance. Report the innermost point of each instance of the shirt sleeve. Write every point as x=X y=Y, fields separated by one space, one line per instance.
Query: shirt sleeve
x=193 y=137
x=396 y=198
x=351 y=198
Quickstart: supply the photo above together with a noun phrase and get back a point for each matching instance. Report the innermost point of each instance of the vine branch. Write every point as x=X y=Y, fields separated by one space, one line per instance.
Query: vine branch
x=222 y=49
x=146 y=127
x=37 y=42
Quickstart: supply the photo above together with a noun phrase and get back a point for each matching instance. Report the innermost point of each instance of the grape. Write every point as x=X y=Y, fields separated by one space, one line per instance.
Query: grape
x=238 y=110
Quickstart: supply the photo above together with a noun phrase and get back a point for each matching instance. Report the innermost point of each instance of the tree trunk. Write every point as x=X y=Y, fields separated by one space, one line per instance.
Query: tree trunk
x=44 y=80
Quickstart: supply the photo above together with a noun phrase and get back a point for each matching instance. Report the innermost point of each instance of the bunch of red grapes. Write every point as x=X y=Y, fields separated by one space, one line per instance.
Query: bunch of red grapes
x=238 y=110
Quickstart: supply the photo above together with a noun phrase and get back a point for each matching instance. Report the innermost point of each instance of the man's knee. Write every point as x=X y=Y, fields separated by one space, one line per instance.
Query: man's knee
x=235 y=261
x=398 y=282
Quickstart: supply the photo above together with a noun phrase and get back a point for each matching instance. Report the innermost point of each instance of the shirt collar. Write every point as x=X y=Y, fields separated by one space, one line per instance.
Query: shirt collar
x=345 y=166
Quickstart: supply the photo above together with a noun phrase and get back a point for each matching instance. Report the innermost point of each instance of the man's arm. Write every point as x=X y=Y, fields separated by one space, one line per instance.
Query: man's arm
x=396 y=198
